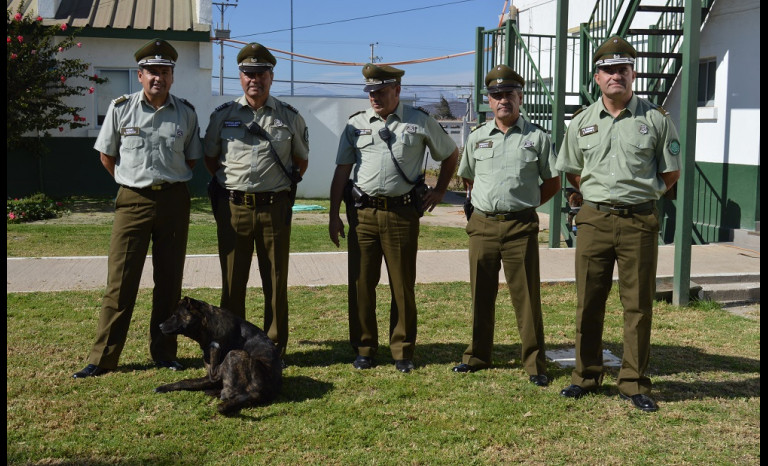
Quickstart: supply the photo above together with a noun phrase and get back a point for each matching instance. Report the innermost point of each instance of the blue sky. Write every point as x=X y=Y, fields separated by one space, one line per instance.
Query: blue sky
x=343 y=30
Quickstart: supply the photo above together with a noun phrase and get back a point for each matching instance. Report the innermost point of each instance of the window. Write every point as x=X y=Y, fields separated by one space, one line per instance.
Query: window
x=707 y=72
x=119 y=82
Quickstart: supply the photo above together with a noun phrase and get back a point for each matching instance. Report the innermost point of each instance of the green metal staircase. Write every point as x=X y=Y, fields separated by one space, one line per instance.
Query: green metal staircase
x=656 y=31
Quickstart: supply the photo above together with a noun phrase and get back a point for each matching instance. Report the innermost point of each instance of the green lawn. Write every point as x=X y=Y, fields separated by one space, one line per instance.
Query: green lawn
x=705 y=365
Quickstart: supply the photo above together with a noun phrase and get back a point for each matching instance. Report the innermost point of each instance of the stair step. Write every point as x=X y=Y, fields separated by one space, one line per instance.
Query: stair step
x=661 y=9
x=732 y=292
x=656 y=75
x=676 y=56
x=746 y=238
x=655 y=32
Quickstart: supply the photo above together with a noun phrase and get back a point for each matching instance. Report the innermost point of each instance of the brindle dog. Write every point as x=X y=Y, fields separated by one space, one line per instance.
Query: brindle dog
x=243 y=364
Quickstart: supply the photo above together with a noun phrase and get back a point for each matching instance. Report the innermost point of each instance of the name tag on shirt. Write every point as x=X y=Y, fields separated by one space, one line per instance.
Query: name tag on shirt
x=363 y=132
x=130 y=131
x=277 y=122
x=527 y=144
x=484 y=145
x=410 y=129
x=232 y=123
x=588 y=130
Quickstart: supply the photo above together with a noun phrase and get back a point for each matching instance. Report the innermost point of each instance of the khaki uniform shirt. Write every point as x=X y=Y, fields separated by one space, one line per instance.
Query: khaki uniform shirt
x=151 y=146
x=506 y=167
x=619 y=159
x=247 y=163
x=413 y=130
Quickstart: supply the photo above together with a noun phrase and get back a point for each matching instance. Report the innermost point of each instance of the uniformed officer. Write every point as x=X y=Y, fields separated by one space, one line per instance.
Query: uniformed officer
x=502 y=163
x=385 y=144
x=256 y=148
x=149 y=142
x=622 y=154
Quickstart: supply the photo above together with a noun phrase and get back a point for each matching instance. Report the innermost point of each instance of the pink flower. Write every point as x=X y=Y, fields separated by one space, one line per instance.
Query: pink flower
x=59 y=204
x=79 y=44
x=9 y=39
x=13 y=56
x=20 y=39
x=17 y=16
x=32 y=52
x=61 y=49
x=90 y=90
x=12 y=216
x=95 y=76
x=39 y=18
x=61 y=128
x=63 y=78
x=63 y=27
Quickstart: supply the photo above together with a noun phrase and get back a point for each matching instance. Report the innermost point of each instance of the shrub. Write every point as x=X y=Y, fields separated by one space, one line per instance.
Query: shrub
x=34 y=207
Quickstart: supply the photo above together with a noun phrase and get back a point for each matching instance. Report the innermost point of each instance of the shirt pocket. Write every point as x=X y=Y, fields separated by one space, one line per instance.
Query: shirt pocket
x=484 y=160
x=173 y=137
x=281 y=138
x=528 y=161
x=590 y=146
x=639 y=147
x=364 y=140
x=233 y=140
x=132 y=151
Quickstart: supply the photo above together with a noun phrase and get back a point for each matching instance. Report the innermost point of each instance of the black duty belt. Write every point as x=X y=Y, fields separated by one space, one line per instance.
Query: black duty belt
x=155 y=187
x=257 y=199
x=621 y=209
x=386 y=202
x=519 y=215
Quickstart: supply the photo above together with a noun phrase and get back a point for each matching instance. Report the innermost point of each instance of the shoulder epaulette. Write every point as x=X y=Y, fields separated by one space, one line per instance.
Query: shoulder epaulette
x=583 y=107
x=224 y=105
x=477 y=127
x=289 y=107
x=189 y=104
x=662 y=110
x=422 y=109
x=120 y=100
x=356 y=113
x=539 y=126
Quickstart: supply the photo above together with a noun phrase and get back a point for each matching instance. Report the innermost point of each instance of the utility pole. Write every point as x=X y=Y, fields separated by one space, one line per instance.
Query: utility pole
x=374 y=58
x=222 y=34
x=291 y=47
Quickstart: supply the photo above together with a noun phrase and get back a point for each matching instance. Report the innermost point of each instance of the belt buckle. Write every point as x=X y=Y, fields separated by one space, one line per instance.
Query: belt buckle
x=616 y=210
x=249 y=199
x=500 y=217
x=381 y=202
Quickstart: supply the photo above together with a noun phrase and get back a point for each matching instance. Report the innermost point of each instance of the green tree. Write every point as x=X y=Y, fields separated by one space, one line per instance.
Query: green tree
x=38 y=79
x=443 y=110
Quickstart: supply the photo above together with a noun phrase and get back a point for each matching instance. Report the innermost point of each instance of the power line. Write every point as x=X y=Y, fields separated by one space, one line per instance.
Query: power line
x=359 y=18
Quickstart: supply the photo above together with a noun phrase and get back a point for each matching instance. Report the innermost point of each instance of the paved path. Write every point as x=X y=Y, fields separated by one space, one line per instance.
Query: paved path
x=316 y=269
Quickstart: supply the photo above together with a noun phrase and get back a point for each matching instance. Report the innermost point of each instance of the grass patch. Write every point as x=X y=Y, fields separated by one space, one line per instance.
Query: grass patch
x=705 y=365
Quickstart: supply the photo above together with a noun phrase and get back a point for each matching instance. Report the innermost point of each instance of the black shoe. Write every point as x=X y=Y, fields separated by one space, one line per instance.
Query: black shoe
x=172 y=365
x=404 y=365
x=540 y=380
x=91 y=370
x=363 y=362
x=642 y=402
x=573 y=391
x=464 y=368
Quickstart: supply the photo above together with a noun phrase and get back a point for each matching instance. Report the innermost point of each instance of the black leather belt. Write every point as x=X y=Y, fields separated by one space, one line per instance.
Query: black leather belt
x=520 y=214
x=386 y=202
x=621 y=209
x=257 y=199
x=155 y=187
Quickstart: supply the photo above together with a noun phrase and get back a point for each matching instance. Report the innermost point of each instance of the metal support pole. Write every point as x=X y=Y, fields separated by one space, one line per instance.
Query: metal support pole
x=684 y=220
x=558 y=115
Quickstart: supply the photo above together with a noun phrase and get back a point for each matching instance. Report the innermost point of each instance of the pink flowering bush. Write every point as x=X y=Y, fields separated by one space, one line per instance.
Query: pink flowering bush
x=34 y=207
x=39 y=81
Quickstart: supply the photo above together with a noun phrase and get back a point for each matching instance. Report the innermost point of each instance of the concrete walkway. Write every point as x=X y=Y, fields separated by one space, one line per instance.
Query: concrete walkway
x=713 y=261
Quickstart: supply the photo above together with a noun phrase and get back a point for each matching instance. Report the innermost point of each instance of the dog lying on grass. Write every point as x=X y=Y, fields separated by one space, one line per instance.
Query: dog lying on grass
x=243 y=364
